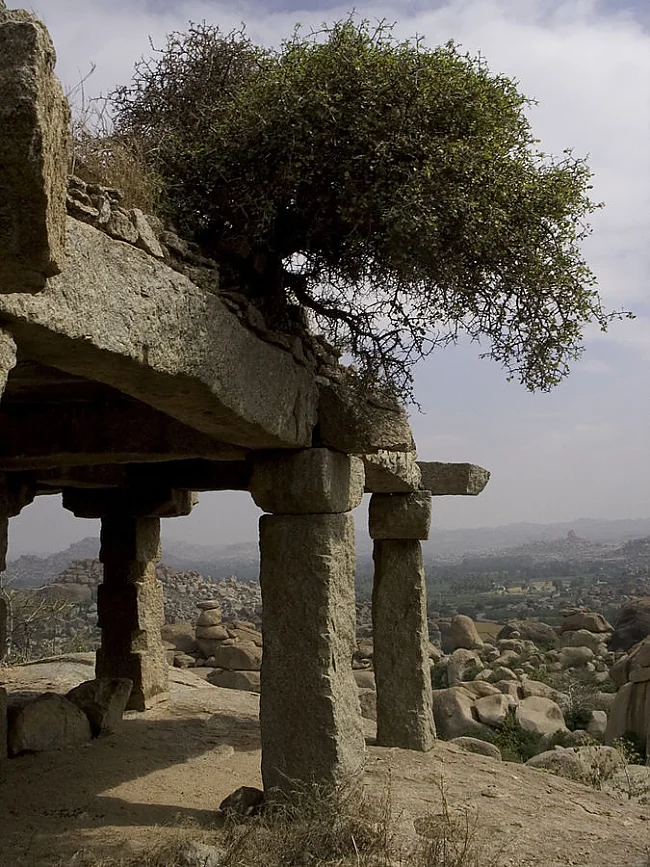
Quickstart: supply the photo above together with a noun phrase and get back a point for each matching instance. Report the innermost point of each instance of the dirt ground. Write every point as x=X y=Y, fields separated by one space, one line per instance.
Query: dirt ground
x=172 y=765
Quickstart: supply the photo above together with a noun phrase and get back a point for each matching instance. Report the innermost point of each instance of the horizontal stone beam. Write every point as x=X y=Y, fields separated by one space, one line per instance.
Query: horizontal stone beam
x=120 y=317
x=392 y=473
x=191 y=475
x=34 y=118
x=444 y=480
x=153 y=503
x=112 y=432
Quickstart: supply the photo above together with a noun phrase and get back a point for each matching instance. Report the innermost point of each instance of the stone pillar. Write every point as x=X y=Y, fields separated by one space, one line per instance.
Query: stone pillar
x=399 y=621
x=309 y=707
x=130 y=607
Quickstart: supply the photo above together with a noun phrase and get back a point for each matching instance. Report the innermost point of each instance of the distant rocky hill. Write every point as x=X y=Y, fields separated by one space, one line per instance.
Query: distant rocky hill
x=584 y=540
x=29 y=570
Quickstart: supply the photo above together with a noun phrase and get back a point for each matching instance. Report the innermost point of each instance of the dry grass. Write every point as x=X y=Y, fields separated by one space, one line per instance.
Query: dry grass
x=115 y=162
x=312 y=830
x=99 y=156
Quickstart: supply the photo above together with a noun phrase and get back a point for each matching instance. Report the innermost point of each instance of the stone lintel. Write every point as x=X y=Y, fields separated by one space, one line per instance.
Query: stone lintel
x=144 y=503
x=34 y=118
x=392 y=472
x=310 y=481
x=33 y=436
x=309 y=707
x=117 y=316
x=355 y=424
x=401 y=641
x=189 y=475
x=400 y=516
x=445 y=480
x=196 y=475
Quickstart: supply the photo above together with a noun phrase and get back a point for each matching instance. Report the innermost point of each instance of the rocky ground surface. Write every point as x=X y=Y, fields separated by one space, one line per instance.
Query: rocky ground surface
x=170 y=767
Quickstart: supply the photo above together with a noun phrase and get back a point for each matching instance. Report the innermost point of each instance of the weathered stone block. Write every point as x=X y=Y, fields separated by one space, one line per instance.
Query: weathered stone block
x=309 y=708
x=313 y=481
x=132 y=612
x=149 y=672
x=400 y=516
x=180 y=635
x=209 y=617
x=392 y=472
x=452 y=479
x=124 y=538
x=34 y=118
x=48 y=722
x=104 y=701
x=355 y=425
x=401 y=647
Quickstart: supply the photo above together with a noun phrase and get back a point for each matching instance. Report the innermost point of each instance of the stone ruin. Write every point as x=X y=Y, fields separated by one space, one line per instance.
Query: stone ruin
x=129 y=382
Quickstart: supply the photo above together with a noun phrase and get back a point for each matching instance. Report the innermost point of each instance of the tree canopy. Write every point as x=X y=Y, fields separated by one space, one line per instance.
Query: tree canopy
x=394 y=191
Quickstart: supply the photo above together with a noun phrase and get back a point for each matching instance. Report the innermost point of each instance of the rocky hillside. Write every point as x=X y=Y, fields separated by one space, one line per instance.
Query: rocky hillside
x=61 y=615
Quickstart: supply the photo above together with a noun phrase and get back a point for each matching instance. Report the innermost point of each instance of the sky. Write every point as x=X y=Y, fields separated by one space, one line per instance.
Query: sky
x=580 y=451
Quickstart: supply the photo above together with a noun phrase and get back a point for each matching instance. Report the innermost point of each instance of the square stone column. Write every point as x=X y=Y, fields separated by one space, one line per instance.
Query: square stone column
x=399 y=621
x=130 y=607
x=309 y=706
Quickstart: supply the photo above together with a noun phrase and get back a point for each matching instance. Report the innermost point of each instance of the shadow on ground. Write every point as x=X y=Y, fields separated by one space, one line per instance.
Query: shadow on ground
x=171 y=766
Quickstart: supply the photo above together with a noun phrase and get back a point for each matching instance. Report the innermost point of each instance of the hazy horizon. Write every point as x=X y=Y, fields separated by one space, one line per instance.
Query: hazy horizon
x=239 y=525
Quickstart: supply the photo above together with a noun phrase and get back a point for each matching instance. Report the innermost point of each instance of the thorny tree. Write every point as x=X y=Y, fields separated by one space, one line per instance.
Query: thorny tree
x=392 y=190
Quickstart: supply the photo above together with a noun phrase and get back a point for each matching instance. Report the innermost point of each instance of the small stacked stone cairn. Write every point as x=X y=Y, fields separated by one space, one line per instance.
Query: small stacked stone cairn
x=232 y=649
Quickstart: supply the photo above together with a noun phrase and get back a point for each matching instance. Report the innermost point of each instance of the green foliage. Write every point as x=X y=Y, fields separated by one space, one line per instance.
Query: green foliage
x=578 y=716
x=516 y=743
x=392 y=190
x=632 y=748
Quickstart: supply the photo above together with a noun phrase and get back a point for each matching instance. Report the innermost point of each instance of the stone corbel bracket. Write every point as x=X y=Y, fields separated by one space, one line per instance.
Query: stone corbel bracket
x=400 y=473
